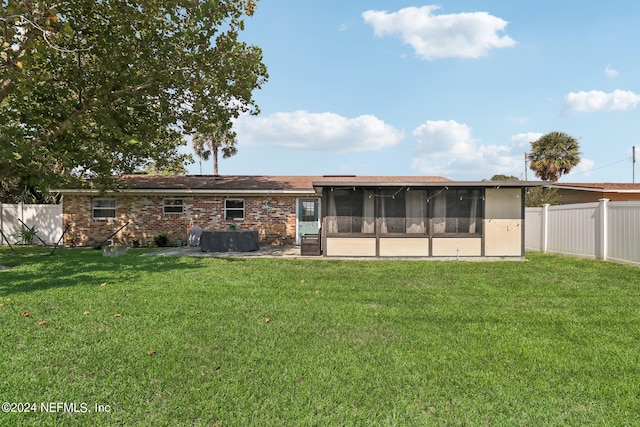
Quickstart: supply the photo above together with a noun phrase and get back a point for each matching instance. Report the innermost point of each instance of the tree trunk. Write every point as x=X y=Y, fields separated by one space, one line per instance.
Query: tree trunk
x=214 y=149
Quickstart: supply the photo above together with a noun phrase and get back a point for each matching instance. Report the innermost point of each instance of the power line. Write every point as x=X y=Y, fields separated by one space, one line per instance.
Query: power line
x=602 y=167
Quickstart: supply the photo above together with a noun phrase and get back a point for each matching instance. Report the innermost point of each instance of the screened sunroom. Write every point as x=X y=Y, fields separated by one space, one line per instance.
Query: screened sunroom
x=419 y=218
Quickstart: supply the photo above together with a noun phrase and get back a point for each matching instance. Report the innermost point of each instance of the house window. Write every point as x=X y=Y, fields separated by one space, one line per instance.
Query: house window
x=309 y=210
x=103 y=208
x=172 y=206
x=234 y=209
x=400 y=210
x=392 y=210
x=403 y=211
x=458 y=211
x=416 y=208
x=351 y=211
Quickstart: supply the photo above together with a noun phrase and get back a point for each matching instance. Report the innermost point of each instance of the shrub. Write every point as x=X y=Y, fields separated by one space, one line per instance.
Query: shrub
x=161 y=240
x=25 y=236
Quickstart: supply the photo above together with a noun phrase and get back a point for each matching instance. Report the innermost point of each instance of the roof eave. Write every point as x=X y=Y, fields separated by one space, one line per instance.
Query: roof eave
x=483 y=184
x=595 y=189
x=189 y=192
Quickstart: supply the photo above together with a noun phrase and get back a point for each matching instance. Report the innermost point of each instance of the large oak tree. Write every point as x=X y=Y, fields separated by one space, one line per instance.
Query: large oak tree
x=92 y=88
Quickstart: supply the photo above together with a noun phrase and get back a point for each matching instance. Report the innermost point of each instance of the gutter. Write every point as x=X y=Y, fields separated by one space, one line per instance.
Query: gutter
x=595 y=189
x=190 y=192
x=431 y=184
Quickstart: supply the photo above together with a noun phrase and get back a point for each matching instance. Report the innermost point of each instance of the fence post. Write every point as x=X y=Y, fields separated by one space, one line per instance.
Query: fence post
x=603 y=228
x=545 y=227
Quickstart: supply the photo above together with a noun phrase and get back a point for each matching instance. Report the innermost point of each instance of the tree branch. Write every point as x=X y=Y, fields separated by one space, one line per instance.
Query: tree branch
x=44 y=33
x=86 y=106
x=139 y=88
x=62 y=127
x=6 y=86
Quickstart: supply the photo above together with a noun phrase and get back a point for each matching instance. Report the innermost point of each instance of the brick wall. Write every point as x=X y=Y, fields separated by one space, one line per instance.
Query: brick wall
x=273 y=217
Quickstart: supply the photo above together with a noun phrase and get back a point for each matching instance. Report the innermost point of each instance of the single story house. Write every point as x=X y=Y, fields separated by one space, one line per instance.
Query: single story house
x=172 y=204
x=592 y=192
x=413 y=216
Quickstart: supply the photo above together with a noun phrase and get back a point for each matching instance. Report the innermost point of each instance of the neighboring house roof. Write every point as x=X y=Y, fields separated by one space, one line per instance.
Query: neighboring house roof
x=602 y=187
x=586 y=192
x=264 y=184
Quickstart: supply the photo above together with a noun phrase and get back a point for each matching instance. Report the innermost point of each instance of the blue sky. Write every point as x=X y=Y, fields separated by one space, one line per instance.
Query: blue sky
x=453 y=88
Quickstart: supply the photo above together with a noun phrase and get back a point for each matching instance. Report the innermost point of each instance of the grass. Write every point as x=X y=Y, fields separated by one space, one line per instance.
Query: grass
x=235 y=342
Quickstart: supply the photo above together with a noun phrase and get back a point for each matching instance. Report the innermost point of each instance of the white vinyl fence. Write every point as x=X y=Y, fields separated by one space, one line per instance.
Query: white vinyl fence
x=602 y=230
x=47 y=220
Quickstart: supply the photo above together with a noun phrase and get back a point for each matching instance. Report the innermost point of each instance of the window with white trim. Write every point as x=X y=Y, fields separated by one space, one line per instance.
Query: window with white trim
x=234 y=209
x=172 y=206
x=103 y=208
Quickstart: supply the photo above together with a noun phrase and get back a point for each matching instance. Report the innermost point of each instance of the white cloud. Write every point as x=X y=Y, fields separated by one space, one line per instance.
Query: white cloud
x=610 y=72
x=448 y=148
x=444 y=137
x=524 y=140
x=595 y=100
x=586 y=167
x=325 y=132
x=463 y=35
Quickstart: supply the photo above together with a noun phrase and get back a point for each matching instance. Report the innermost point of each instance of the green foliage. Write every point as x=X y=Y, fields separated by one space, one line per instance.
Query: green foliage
x=89 y=89
x=538 y=196
x=25 y=236
x=534 y=196
x=500 y=177
x=151 y=168
x=161 y=240
x=217 y=137
x=554 y=155
x=14 y=190
x=185 y=341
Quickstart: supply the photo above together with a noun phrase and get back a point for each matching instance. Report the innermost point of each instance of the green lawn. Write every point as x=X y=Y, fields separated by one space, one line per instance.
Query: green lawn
x=275 y=342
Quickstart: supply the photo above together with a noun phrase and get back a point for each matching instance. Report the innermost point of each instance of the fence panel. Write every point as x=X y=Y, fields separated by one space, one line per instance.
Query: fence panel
x=572 y=229
x=533 y=238
x=624 y=232
x=9 y=223
x=604 y=230
x=47 y=220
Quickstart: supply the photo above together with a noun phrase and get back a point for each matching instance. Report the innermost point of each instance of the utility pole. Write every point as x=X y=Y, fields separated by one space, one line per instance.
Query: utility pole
x=633 y=164
x=525 y=166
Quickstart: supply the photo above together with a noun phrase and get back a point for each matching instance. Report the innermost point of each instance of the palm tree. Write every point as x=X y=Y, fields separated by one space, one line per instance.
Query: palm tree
x=207 y=145
x=554 y=155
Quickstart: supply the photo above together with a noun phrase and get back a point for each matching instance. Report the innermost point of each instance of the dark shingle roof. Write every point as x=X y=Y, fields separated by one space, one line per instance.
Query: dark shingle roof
x=261 y=182
x=211 y=182
x=293 y=184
